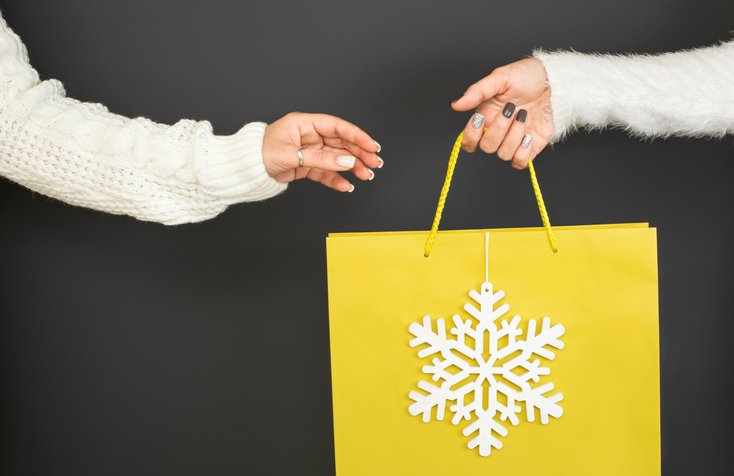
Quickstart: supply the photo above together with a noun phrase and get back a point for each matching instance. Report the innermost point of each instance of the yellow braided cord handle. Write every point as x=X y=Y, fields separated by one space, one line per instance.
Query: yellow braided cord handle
x=445 y=192
x=541 y=207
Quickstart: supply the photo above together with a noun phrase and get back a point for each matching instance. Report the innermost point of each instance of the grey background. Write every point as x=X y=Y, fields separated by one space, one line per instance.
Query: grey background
x=133 y=348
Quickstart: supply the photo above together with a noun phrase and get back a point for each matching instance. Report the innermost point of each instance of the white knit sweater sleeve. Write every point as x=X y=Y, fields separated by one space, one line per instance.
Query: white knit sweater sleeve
x=688 y=93
x=84 y=155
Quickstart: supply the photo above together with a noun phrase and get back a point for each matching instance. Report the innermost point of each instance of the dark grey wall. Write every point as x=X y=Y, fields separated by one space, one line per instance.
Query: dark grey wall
x=132 y=348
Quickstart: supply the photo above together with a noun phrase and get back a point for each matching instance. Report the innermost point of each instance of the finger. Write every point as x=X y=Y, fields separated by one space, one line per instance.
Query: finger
x=330 y=126
x=497 y=129
x=358 y=142
x=511 y=142
x=330 y=179
x=334 y=143
x=477 y=126
x=523 y=153
x=326 y=177
x=341 y=146
x=481 y=91
x=473 y=132
x=293 y=174
x=361 y=171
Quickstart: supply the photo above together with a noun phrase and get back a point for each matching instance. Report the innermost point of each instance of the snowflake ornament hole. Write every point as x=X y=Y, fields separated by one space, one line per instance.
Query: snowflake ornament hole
x=468 y=341
x=453 y=369
x=503 y=341
x=486 y=372
x=519 y=371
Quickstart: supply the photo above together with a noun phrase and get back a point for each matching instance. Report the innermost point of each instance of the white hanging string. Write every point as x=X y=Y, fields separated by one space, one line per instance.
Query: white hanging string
x=486 y=258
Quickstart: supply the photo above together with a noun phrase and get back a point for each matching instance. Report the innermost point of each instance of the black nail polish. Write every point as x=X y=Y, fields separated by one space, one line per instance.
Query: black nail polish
x=509 y=110
x=456 y=99
x=522 y=114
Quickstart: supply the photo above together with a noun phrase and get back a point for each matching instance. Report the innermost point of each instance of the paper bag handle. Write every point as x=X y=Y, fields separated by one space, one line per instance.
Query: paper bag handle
x=445 y=191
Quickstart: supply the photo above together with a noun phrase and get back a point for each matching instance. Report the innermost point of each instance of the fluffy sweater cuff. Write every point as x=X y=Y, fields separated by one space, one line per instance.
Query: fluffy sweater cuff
x=688 y=93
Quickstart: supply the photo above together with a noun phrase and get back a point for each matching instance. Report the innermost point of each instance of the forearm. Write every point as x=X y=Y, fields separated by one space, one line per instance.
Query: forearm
x=84 y=155
x=687 y=93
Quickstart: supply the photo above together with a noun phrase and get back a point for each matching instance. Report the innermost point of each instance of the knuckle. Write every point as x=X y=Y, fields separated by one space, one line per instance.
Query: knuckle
x=316 y=156
x=344 y=130
x=501 y=72
x=504 y=155
x=331 y=181
x=486 y=148
x=316 y=175
x=324 y=156
x=468 y=145
x=520 y=162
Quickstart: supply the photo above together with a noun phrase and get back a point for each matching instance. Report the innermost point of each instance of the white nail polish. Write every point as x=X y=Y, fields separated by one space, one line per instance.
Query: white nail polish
x=345 y=161
x=372 y=175
x=351 y=189
x=382 y=162
x=379 y=147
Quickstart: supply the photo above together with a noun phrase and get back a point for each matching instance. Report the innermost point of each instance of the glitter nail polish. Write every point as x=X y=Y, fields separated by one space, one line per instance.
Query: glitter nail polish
x=477 y=120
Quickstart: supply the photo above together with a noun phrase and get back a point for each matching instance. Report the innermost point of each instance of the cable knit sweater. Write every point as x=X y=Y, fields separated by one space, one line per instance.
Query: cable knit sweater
x=688 y=93
x=84 y=155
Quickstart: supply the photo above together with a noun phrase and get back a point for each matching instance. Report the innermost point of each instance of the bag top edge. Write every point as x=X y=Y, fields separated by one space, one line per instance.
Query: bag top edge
x=493 y=230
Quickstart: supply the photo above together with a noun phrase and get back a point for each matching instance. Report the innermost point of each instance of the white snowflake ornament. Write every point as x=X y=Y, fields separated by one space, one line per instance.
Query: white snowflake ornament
x=462 y=370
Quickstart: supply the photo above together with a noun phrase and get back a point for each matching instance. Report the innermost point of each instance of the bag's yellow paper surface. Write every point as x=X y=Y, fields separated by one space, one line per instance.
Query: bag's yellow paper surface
x=601 y=286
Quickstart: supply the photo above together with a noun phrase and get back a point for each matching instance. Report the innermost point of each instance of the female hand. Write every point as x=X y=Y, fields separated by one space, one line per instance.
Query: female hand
x=512 y=102
x=330 y=145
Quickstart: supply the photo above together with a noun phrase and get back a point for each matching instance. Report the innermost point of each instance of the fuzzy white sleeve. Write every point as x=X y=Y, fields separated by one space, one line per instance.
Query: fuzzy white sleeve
x=84 y=155
x=688 y=93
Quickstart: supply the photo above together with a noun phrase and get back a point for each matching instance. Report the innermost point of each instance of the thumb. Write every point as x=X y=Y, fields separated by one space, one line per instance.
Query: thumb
x=481 y=91
x=327 y=160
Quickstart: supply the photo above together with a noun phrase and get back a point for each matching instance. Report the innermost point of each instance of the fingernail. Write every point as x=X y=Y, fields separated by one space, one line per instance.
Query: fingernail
x=345 y=161
x=526 y=141
x=476 y=121
x=351 y=189
x=379 y=147
x=382 y=162
x=372 y=175
x=522 y=114
x=509 y=110
x=456 y=99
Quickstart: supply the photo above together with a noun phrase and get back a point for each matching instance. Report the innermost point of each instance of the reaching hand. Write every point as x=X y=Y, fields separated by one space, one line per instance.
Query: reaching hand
x=330 y=145
x=512 y=103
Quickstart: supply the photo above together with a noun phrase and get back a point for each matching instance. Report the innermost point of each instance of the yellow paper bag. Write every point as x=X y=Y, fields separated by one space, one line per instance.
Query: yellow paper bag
x=600 y=287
